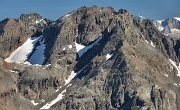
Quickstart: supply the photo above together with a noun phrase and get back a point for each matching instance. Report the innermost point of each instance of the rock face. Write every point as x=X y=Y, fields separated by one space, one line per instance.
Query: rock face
x=12 y=35
x=95 y=59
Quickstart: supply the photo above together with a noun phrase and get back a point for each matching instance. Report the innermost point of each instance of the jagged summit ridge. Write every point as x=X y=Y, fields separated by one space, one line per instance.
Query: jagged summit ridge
x=94 y=58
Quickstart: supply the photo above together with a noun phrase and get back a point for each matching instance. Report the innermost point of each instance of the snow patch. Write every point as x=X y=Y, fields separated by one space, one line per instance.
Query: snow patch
x=152 y=44
x=160 y=28
x=38 y=56
x=146 y=41
x=81 y=49
x=58 y=98
x=71 y=76
x=47 y=66
x=38 y=21
x=160 y=21
x=64 y=48
x=58 y=88
x=13 y=71
x=166 y=75
x=34 y=102
x=67 y=15
x=69 y=85
x=175 y=84
x=70 y=46
x=108 y=56
x=175 y=31
x=177 y=18
x=21 y=54
x=174 y=64
x=141 y=17
x=42 y=100
x=78 y=48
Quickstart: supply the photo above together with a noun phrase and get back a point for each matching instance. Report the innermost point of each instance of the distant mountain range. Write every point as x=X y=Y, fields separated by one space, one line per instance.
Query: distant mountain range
x=169 y=26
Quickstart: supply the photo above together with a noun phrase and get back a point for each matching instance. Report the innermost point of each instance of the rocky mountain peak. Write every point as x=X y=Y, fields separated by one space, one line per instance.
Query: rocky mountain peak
x=30 y=17
x=91 y=58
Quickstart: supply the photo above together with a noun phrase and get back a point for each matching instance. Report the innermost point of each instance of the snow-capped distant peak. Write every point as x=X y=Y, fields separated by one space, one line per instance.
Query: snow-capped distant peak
x=177 y=18
x=141 y=16
x=160 y=21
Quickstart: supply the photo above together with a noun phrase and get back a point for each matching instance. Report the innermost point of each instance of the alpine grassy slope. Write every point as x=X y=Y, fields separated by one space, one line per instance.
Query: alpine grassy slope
x=90 y=59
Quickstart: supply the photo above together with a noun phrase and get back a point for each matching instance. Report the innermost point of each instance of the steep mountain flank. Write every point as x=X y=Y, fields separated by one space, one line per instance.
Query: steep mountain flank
x=93 y=58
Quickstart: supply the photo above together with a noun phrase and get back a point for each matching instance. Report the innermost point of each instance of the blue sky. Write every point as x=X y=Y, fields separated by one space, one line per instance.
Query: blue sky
x=53 y=9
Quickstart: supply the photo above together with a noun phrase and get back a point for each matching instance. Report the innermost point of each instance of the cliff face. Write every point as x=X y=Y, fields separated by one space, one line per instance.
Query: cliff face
x=94 y=59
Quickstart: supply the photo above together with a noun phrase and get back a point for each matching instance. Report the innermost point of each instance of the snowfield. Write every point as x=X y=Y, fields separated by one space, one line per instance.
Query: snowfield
x=38 y=56
x=81 y=49
x=22 y=53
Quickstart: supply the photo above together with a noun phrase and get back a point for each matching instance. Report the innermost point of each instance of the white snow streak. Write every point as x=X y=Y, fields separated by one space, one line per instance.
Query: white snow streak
x=34 y=102
x=21 y=53
x=81 y=49
x=71 y=76
x=38 y=21
x=64 y=48
x=69 y=85
x=146 y=41
x=108 y=56
x=152 y=44
x=166 y=75
x=68 y=15
x=174 y=64
x=13 y=71
x=58 y=88
x=47 y=66
x=175 y=84
x=58 y=98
